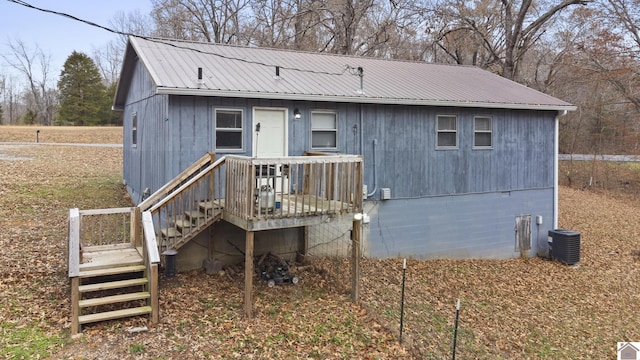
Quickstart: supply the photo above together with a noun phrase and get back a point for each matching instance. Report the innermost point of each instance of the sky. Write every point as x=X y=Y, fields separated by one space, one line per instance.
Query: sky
x=59 y=36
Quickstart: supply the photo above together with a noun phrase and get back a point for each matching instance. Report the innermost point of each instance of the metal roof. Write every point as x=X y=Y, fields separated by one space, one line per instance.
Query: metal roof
x=250 y=72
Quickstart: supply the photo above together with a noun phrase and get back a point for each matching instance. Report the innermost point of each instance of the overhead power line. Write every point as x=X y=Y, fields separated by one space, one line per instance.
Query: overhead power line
x=172 y=44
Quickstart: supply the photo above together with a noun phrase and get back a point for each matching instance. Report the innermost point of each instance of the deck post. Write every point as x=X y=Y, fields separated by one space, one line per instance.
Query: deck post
x=136 y=217
x=306 y=242
x=355 y=258
x=153 y=290
x=248 y=275
x=75 y=305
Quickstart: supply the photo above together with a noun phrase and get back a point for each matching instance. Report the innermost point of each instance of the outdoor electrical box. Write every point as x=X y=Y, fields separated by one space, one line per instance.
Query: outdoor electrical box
x=385 y=194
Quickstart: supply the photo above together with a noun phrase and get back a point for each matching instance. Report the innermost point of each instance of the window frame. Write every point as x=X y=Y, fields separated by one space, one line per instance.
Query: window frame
x=335 y=130
x=476 y=131
x=446 y=131
x=241 y=130
x=134 y=129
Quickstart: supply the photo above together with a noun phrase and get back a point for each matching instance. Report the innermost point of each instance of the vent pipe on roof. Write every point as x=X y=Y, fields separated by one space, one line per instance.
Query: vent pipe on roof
x=200 y=81
x=361 y=75
x=277 y=77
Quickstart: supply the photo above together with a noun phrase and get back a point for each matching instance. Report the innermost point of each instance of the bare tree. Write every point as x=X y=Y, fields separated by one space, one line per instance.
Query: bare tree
x=504 y=31
x=217 y=21
x=34 y=65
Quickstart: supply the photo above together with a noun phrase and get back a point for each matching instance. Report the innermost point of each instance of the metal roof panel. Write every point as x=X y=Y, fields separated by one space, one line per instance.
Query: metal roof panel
x=251 y=72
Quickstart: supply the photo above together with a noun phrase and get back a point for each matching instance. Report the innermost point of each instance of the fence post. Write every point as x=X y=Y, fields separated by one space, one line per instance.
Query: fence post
x=355 y=258
x=248 y=275
x=455 y=330
x=404 y=272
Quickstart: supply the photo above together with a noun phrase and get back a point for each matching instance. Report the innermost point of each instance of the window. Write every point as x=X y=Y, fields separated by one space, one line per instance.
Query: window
x=482 y=134
x=228 y=129
x=134 y=130
x=324 y=130
x=447 y=129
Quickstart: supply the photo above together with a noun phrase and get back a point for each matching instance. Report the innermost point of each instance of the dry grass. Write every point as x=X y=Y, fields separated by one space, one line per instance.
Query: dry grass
x=511 y=309
x=62 y=134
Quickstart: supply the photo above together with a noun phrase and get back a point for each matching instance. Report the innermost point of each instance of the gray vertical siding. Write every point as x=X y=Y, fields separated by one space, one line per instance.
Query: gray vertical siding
x=406 y=157
x=143 y=164
x=408 y=162
x=445 y=203
x=460 y=226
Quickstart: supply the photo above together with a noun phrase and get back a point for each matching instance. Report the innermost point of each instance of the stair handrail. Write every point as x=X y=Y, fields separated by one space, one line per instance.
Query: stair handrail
x=189 y=183
x=169 y=187
x=150 y=240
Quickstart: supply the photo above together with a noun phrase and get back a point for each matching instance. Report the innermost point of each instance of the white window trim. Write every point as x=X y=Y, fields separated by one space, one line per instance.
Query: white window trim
x=215 y=130
x=476 y=131
x=134 y=129
x=438 y=131
x=319 y=111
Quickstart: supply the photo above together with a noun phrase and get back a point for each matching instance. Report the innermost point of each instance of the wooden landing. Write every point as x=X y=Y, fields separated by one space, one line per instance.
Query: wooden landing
x=109 y=256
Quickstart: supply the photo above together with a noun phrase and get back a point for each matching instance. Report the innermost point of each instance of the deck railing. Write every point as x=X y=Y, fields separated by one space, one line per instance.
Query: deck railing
x=190 y=208
x=298 y=186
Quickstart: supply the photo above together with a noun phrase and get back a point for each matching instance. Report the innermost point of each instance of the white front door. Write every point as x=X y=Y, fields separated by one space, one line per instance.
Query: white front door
x=270 y=139
x=269 y=132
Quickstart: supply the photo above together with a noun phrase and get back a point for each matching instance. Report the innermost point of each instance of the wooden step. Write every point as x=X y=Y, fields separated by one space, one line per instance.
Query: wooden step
x=112 y=271
x=170 y=232
x=100 y=265
x=182 y=224
x=117 y=314
x=210 y=205
x=194 y=214
x=113 y=299
x=112 y=285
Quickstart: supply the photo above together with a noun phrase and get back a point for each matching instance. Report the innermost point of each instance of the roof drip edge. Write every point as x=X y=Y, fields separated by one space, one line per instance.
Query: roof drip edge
x=358 y=99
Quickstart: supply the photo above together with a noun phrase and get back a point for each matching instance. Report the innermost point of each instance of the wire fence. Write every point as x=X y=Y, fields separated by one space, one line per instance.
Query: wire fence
x=428 y=323
x=329 y=248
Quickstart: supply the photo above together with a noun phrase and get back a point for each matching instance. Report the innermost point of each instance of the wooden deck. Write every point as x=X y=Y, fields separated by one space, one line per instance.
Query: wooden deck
x=109 y=256
x=289 y=210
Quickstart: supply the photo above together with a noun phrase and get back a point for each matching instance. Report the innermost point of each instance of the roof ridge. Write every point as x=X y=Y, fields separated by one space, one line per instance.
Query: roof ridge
x=167 y=41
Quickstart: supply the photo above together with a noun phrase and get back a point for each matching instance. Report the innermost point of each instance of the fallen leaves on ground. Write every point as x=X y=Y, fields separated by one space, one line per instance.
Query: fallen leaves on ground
x=518 y=308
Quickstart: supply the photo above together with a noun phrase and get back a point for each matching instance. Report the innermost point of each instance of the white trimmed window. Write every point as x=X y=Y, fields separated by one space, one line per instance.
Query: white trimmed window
x=447 y=132
x=482 y=132
x=134 y=130
x=228 y=129
x=324 y=130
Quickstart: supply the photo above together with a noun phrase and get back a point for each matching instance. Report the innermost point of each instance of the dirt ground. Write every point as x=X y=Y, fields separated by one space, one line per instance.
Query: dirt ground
x=510 y=309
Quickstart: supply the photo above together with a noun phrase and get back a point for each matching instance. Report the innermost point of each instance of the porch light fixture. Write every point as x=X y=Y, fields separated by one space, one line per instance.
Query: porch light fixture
x=296 y=114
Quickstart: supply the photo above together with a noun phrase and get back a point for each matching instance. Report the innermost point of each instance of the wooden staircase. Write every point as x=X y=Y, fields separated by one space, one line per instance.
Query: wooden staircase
x=188 y=204
x=189 y=224
x=111 y=284
x=113 y=266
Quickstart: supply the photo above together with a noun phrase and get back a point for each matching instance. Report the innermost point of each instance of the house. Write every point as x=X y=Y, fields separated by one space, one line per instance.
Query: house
x=626 y=351
x=231 y=152
x=458 y=162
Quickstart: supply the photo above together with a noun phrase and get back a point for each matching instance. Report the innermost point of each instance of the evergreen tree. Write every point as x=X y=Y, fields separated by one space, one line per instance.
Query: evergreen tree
x=82 y=93
x=108 y=116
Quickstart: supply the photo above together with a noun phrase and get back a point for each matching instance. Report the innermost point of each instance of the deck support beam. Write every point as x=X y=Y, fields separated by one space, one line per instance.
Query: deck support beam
x=248 y=275
x=75 y=305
